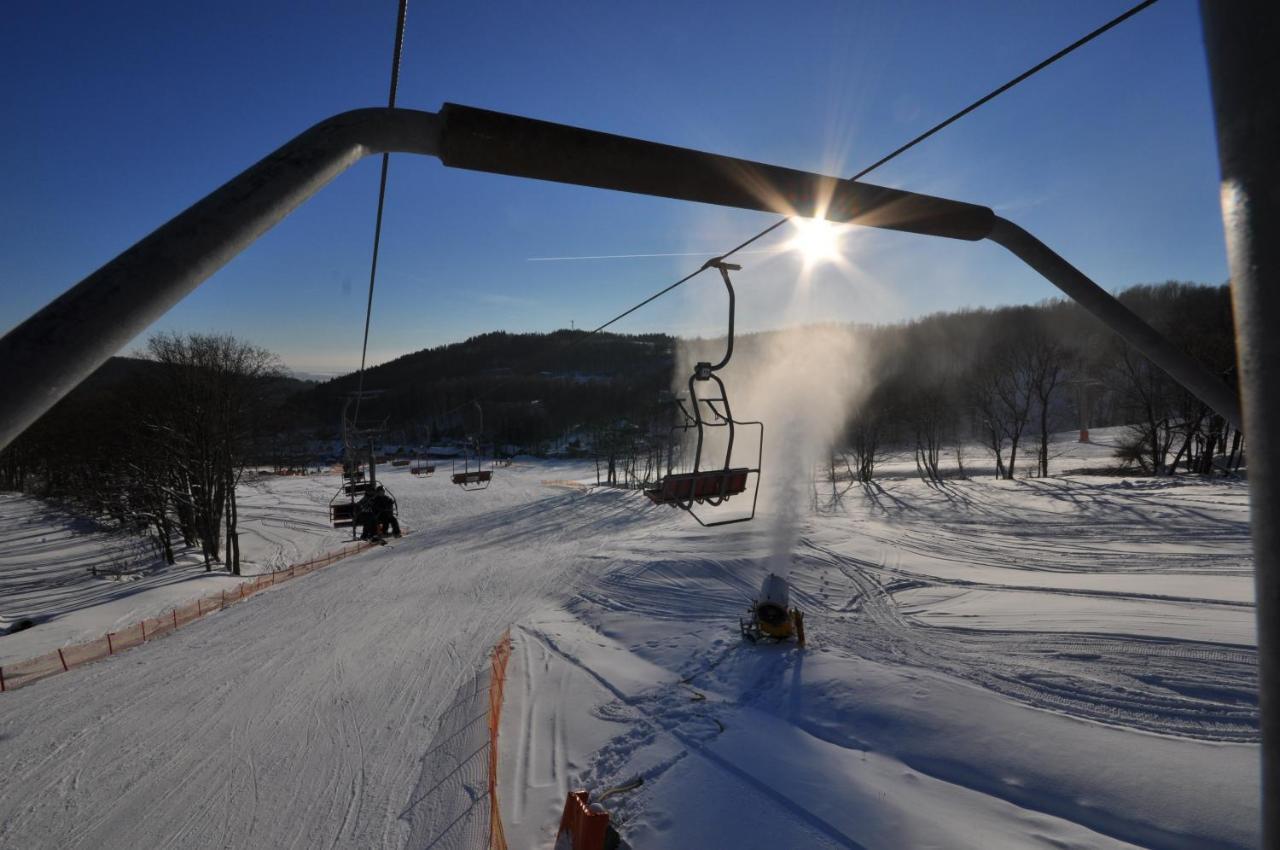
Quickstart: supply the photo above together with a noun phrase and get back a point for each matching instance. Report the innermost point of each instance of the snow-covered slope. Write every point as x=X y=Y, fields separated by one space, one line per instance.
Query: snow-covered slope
x=1055 y=663
x=75 y=581
x=1001 y=721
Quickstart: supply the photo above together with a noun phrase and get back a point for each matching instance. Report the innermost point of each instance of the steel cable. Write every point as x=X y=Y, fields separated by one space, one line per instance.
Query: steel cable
x=991 y=95
x=396 y=52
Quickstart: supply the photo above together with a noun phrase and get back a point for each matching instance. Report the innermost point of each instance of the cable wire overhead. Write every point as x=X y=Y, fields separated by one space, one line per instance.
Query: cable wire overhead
x=986 y=98
x=382 y=194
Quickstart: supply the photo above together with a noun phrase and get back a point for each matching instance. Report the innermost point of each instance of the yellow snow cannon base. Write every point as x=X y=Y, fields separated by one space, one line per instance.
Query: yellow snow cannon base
x=790 y=626
x=777 y=631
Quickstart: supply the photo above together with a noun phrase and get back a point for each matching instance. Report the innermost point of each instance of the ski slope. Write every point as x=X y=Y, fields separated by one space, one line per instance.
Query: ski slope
x=1065 y=662
x=74 y=580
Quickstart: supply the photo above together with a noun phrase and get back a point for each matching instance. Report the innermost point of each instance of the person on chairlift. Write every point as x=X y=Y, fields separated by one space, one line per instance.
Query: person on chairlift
x=367 y=517
x=385 y=511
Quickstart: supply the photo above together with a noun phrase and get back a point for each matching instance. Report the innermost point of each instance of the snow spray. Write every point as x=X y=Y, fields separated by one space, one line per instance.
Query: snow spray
x=803 y=383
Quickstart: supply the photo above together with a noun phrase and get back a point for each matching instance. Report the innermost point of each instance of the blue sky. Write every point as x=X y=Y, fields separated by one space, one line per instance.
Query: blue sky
x=121 y=114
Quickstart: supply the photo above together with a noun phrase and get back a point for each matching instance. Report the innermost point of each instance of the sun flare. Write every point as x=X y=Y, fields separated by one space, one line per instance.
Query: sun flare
x=817 y=240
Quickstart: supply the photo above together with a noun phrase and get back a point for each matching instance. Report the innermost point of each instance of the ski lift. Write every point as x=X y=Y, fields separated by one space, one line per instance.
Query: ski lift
x=355 y=486
x=344 y=507
x=422 y=464
x=473 y=475
x=712 y=487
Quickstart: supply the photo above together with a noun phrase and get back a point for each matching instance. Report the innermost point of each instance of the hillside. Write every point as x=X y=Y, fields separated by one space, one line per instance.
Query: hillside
x=533 y=387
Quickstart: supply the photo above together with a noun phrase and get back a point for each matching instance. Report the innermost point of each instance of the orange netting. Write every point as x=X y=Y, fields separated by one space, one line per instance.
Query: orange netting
x=51 y=663
x=497 y=684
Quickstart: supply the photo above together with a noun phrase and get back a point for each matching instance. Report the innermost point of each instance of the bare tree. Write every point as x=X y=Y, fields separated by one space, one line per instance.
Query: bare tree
x=211 y=386
x=1045 y=362
x=1002 y=390
x=865 y=441
x=931 y=417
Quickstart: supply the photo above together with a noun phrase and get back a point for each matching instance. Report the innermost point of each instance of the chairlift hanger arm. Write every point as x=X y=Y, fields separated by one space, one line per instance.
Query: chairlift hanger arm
x=719 y=263
x=59 y=346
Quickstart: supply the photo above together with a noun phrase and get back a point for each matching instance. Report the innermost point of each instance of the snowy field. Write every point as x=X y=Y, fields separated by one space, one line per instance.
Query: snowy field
x=1066 y=662
x=74 y=581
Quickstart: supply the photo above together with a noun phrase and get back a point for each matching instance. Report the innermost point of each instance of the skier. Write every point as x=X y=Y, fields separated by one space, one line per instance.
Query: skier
x=384 y=508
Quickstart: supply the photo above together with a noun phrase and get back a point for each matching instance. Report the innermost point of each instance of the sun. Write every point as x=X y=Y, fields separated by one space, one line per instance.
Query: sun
x=817 y=240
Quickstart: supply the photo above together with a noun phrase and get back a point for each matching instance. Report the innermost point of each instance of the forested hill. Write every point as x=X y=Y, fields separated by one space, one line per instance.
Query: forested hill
x=538 y=387
x=532 y=386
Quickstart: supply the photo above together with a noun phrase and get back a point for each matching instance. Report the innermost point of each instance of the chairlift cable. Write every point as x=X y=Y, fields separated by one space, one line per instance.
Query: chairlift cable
x=397 y=50
x=992 y=95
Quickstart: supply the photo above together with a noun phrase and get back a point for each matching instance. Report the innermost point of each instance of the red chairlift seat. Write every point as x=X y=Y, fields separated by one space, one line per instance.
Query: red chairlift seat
x=423 y=468
x=474 y=476
x=698 y=486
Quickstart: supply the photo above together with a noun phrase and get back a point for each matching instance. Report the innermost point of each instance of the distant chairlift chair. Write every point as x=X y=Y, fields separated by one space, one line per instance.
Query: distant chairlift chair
x=473 y=475
x=422 y=466
x=712 y=487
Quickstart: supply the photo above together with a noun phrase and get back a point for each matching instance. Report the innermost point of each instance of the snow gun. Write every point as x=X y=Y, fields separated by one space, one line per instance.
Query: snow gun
x=771 y=616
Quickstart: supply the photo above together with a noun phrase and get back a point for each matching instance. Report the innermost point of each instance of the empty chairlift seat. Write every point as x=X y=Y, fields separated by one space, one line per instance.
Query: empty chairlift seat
x=474 y=476
x=699 y=486
x=342 y=514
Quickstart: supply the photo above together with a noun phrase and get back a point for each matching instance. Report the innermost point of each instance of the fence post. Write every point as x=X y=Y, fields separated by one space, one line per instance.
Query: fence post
x=63 y=659
x=111 y=650
x=144 y=629
x=199 y=608
x=175 y=618
x=1 y=680
x=224 y=597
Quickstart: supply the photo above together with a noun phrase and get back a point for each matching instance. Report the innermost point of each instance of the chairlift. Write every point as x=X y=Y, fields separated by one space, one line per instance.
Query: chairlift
x=711 y=487
x=357 y=455
x=473 y=475
x=422 y=464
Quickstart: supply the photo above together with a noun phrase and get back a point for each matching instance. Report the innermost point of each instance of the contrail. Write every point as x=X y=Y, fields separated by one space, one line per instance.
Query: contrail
x=637 y=256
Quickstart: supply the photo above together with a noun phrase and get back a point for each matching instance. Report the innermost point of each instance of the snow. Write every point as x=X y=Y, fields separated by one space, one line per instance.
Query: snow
x=47 y=558
x=1066 y=662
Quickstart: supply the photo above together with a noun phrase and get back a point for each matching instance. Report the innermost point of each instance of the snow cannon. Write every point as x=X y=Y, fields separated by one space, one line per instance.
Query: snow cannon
x=771 y=616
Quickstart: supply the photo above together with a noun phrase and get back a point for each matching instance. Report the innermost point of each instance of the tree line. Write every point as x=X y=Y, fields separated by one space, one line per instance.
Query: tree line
x=157 y=446
x=1008 y=378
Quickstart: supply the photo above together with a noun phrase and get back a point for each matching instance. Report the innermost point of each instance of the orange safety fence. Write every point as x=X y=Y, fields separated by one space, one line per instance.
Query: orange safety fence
x=497 y=685
x=64 y=658
x=568 y=485
x=586 y=826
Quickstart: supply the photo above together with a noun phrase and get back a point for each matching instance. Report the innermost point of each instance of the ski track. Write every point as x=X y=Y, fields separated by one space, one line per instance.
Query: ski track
x=303 y=717
x=296 y=718
x=1190 y=689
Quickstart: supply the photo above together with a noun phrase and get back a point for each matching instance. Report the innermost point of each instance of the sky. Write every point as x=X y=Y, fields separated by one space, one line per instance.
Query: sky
x=122 y=114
